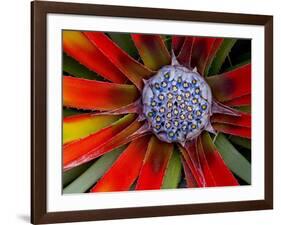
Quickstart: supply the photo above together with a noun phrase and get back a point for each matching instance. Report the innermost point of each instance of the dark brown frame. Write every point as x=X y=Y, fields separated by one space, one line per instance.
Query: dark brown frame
x=39 y=214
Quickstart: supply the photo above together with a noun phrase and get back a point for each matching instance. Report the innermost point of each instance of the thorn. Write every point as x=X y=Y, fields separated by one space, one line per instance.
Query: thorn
x=174 y=59
x=141 y=117
x=210 y=129
x=182 y=143
x=214 y=140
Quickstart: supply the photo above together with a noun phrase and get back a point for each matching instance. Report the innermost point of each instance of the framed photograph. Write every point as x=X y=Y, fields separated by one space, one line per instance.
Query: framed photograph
x=144 y=112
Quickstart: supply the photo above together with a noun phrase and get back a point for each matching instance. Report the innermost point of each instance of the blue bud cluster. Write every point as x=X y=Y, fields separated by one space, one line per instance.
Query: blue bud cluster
x=176 y=104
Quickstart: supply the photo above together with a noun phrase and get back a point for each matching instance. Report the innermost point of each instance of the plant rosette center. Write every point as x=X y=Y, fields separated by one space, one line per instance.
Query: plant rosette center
x=177 y=104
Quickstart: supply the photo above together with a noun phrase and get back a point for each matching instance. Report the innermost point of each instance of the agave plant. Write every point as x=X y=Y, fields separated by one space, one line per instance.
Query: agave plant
x=145 y=112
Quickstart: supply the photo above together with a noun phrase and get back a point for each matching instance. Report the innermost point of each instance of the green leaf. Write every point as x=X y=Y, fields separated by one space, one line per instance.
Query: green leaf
x=221 y=55
x=173 y=172
x=243 y=142
x=125 y=42
x=70 y=175
x=93 y=173
x=74 y=68
x=233 y=158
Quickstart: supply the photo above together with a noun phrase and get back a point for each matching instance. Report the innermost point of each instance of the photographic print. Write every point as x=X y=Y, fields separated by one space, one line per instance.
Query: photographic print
x=154 y=111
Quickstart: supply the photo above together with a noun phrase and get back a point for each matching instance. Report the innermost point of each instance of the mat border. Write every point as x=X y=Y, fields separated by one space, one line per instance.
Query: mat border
x=39 y=11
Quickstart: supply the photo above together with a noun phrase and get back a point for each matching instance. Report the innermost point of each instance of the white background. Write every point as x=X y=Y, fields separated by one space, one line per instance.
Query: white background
x=15 y=111
x=58 y=202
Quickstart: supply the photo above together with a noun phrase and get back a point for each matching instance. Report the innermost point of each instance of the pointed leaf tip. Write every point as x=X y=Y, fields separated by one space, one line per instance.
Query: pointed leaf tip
x=76 y=45
x=131 y=68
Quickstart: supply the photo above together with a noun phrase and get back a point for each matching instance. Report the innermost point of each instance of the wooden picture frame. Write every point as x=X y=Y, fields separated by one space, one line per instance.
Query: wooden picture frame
x=39 y=12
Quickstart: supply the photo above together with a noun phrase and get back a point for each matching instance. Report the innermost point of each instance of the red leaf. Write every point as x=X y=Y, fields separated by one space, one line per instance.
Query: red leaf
x=208 y=173
x=240 y=101
x=232 y=84
x=244 y=120
x=96 y=95
x=125 y=63
x=234 y=130
x=215 y=47
x=154 y=166
x=201 y=50
x=207 y=168
x=76 y=45
x=185 y=54
x=177 y=42
x=221 y=174
x=189 y=178
x=191 y=158
x=125 y=170
x=130 y=133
